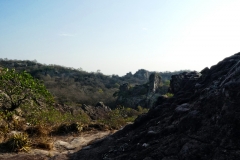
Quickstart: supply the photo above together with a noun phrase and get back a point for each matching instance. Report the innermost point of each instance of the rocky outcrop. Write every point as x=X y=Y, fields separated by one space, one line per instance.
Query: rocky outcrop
x=142 y=74
x=100 y=110
x=183 y=80
x=199 y=122
x=129 y=75
x=140 y=95
x=154 y=82
x=96 y=112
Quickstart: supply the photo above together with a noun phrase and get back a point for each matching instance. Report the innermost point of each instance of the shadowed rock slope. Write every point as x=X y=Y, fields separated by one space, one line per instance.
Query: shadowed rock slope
x=201 y=121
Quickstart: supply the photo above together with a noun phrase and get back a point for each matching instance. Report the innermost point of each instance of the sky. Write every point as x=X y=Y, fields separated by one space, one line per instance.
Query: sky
x=120 y=36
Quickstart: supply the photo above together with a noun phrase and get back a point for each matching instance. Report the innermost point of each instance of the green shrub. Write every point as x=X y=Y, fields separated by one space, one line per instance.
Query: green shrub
x=142 y=110
x=19 y=142
x=120 y=116
x=54 y=117
x=169 y=95
x=19 y=89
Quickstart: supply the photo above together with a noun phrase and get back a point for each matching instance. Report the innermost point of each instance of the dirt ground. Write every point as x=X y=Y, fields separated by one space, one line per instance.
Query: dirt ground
x=62 y=146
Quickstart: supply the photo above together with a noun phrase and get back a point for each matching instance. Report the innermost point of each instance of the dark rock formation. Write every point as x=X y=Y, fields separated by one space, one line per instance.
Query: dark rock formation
x=129 y=75
x=67 y=108
x=140 y=95
x=124 y=87
x=200 y=122
x=96 y=112
x=154 y=81
x=185 y=79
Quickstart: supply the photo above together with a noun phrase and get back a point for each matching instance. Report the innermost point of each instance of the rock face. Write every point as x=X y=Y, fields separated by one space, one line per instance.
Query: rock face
x=154 y=81
x=96 y=112
x=180 y=81
x=140 y=95
x=201 y=121
x=142 y=74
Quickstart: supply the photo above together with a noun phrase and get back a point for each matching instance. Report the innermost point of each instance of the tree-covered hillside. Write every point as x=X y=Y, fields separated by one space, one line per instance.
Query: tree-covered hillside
x=75 y=86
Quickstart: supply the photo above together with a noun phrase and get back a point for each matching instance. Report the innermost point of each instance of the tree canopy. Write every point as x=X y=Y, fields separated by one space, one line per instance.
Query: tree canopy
x=19 y=89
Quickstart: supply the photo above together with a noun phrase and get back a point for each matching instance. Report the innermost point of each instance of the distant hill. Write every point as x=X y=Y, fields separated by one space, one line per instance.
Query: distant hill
x=75 y=86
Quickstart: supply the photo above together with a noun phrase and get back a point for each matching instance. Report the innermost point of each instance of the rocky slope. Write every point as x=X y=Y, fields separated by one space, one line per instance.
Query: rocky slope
x=201 y=121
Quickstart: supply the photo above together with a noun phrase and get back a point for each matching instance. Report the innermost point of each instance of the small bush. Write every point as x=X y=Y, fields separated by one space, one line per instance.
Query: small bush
x=69 y=128
x=19 y=142
x=169 y=95
x=121 y=116
x=142 y=110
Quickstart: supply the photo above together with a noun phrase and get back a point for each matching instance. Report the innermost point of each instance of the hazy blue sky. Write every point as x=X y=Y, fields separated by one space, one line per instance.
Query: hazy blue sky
x=118 y=36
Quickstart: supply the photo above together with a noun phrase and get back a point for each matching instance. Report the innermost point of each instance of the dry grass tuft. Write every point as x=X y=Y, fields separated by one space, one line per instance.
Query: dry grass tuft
x=39 y=130
x=19 y=142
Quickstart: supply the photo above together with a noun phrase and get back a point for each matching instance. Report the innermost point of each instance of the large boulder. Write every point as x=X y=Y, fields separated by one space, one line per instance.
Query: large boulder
x=183 y=81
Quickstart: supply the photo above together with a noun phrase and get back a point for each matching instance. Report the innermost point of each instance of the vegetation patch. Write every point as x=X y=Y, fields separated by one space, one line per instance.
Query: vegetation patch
x=169 y=95
x=29 y=116
x=19 y=142
x=69 y=128
x=121 y=116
